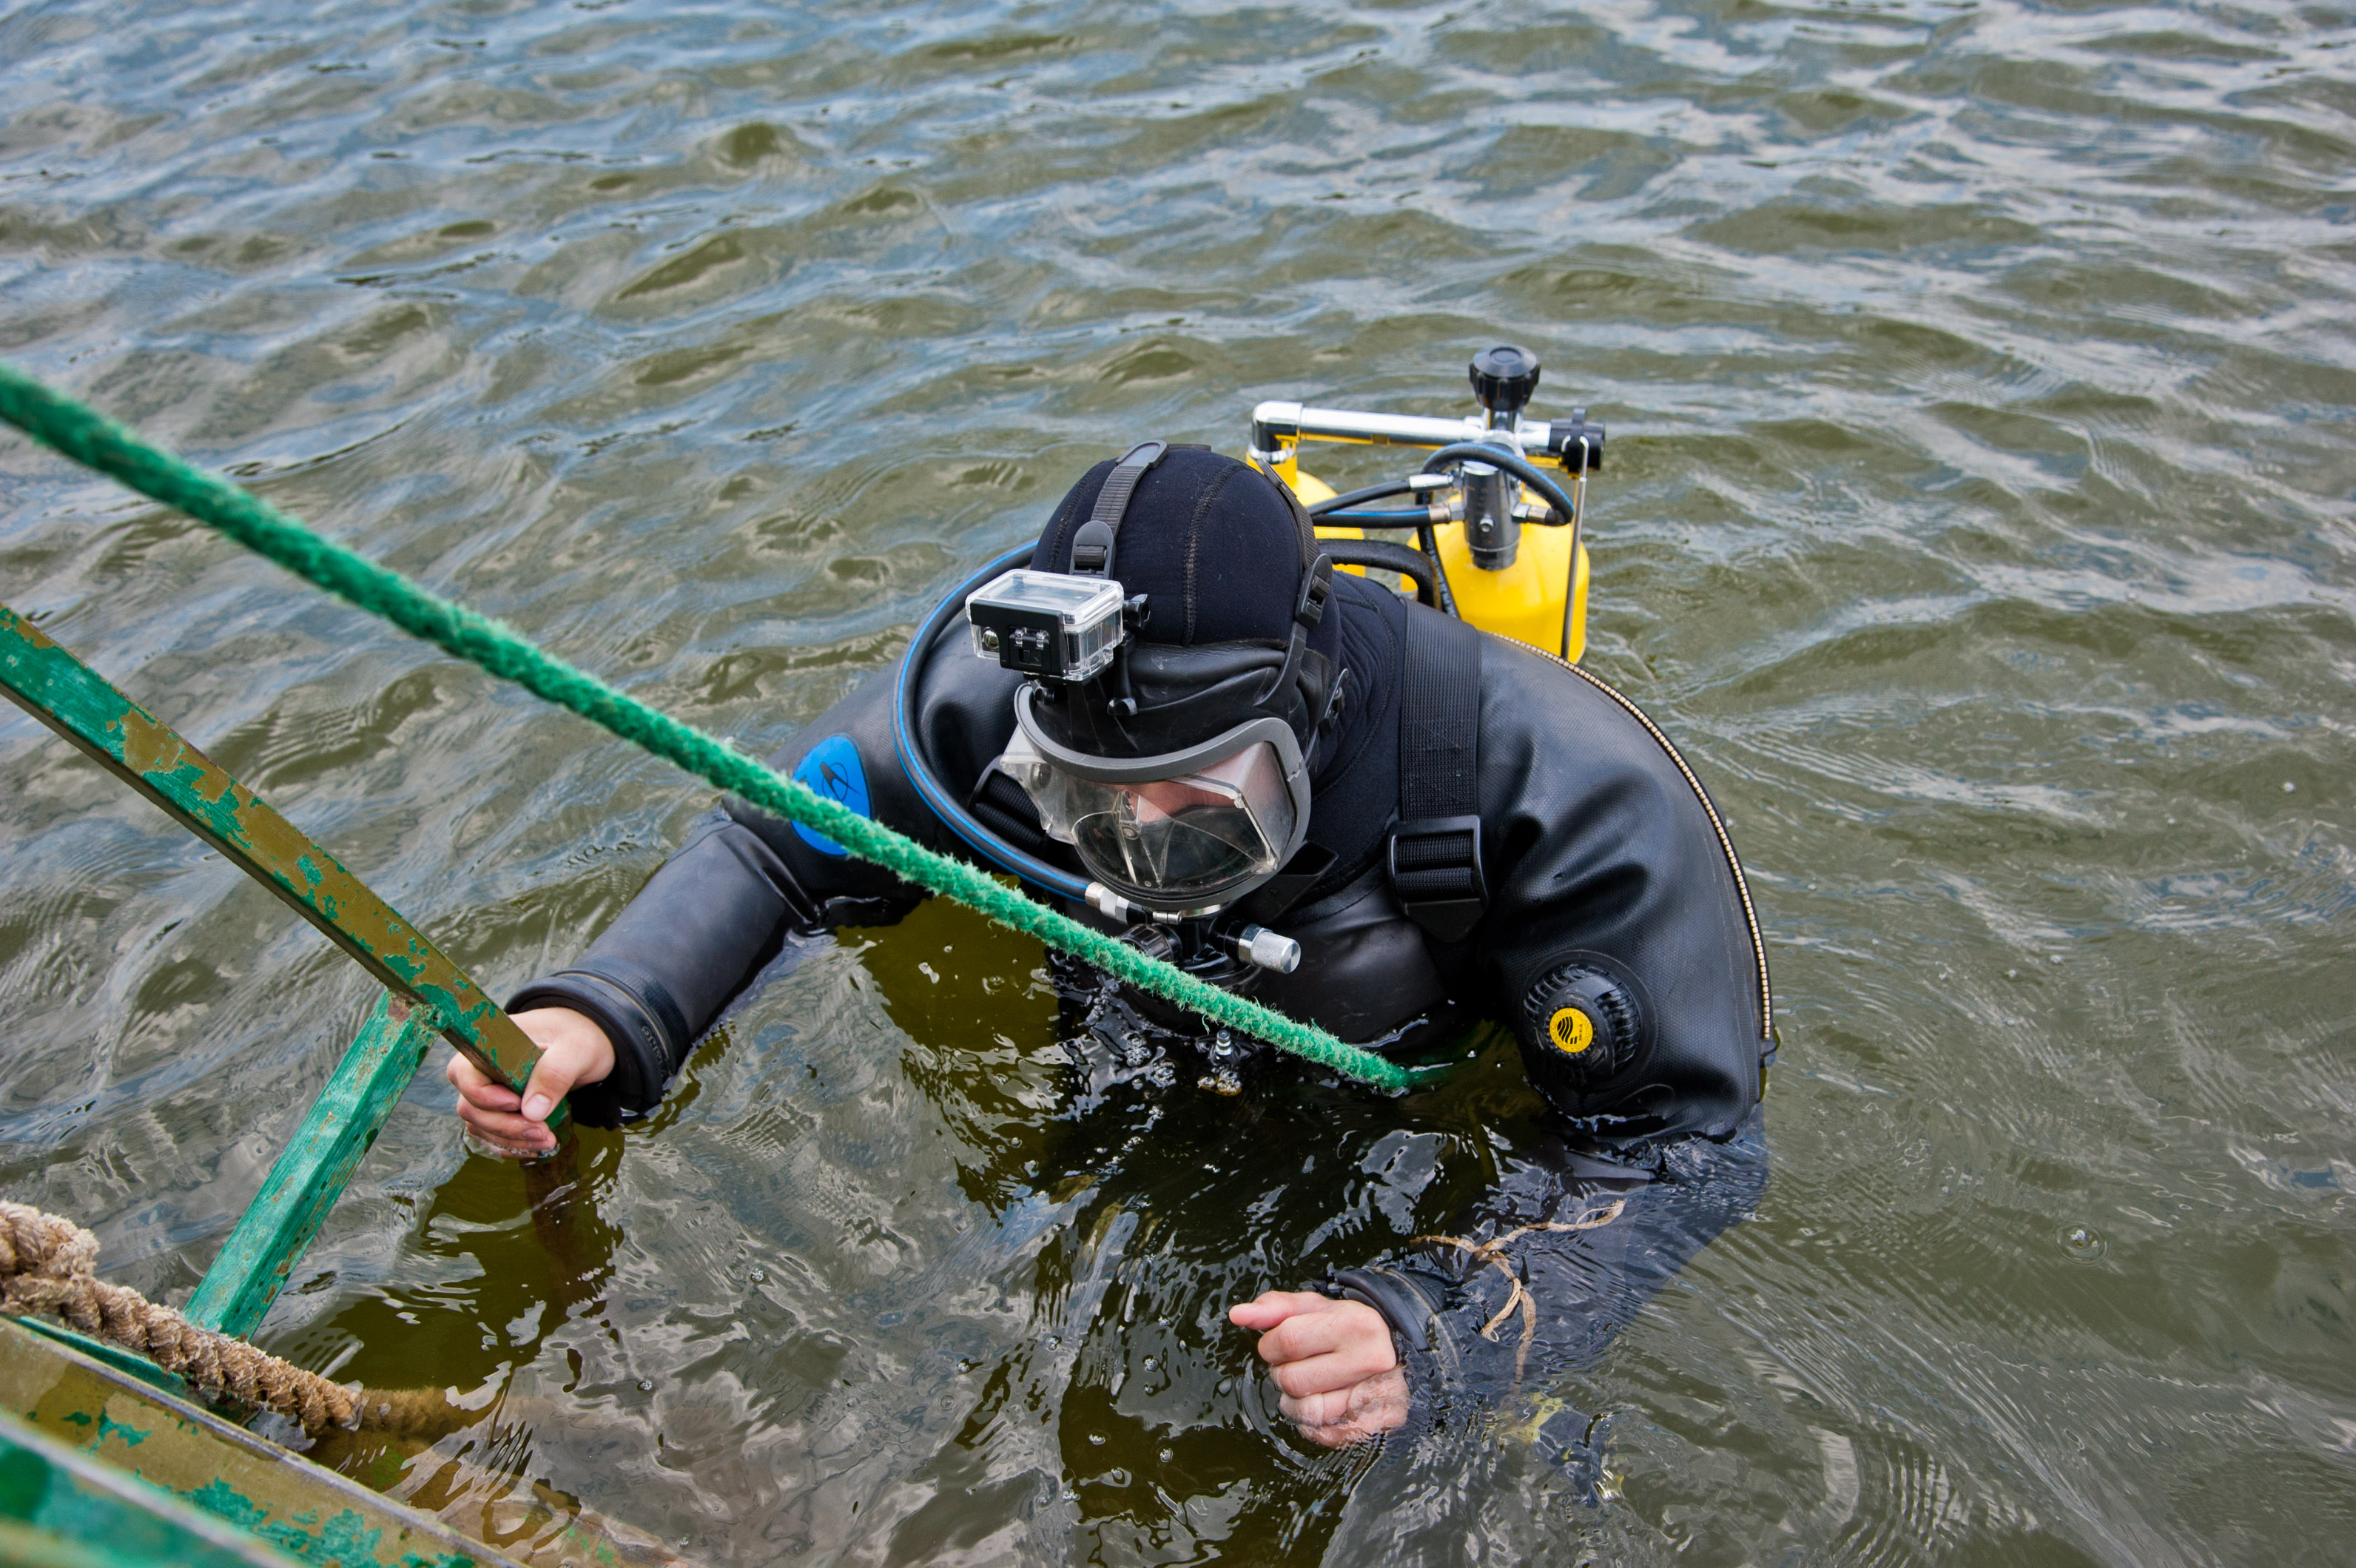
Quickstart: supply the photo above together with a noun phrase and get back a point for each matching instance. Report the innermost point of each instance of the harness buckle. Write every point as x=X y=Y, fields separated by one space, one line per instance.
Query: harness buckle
x=1435 y=870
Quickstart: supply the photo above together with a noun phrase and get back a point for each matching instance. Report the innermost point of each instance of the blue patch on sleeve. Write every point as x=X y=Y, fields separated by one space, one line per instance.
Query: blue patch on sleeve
x=832 y=769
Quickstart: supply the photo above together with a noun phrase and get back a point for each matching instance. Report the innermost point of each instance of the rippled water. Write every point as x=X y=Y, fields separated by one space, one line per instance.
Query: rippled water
x=1979 y=521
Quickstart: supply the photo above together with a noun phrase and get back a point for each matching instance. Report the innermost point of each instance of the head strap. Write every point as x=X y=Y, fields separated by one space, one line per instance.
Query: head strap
x=1316 y=587
x=1092 y=547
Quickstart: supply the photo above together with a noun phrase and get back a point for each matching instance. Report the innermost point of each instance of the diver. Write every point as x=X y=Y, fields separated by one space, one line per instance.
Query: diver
x=1179 y=721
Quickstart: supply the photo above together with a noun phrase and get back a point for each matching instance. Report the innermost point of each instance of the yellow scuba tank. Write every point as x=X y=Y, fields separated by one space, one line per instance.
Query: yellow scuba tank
x=1524 y=602
x=1524 y=576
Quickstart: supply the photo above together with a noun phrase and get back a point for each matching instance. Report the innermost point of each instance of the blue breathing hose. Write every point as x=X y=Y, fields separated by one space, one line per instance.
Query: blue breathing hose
x=943 y=805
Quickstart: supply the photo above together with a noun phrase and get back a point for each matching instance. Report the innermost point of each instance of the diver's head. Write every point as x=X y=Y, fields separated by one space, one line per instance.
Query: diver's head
x=1180 y=772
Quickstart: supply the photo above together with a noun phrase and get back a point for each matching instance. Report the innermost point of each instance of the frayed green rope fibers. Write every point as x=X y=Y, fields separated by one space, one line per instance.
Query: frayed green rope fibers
x=89 y=437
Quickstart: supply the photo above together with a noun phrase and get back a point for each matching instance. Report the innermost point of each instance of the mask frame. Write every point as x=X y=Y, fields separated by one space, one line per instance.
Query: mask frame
x=1275 y=732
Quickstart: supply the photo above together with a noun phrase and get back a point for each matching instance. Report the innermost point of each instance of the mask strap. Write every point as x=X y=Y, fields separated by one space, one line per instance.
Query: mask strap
x=1316 y=587
x=1308 y=609
x=1302 y=524
x=1092 y=547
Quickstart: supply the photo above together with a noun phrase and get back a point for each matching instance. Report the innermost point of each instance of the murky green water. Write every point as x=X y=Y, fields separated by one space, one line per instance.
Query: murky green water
x=1979 y=520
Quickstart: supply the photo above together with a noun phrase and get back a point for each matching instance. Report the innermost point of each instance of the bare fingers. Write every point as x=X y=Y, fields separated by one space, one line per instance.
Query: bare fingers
x=492 y=1114
x=1315 y=1353
x=573 y=1051
x=1341 y=1417
x=1272 y=1308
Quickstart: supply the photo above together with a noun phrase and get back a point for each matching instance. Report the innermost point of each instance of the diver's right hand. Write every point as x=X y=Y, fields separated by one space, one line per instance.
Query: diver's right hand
x=572 y=1051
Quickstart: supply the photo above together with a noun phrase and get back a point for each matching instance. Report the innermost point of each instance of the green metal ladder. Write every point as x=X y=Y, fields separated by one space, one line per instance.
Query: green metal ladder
x=425 y=993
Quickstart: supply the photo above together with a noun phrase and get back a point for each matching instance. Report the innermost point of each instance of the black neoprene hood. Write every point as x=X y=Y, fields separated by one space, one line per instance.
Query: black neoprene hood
x=1220 y=552
x=1218 y=547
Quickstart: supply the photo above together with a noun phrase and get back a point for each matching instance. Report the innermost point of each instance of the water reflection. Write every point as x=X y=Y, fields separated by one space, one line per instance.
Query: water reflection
x=1978 y=525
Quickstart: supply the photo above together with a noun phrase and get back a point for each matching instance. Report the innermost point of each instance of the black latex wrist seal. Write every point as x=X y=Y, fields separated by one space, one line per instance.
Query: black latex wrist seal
x=1393 y=1294
x=1425 y=1354
x=644 y=1023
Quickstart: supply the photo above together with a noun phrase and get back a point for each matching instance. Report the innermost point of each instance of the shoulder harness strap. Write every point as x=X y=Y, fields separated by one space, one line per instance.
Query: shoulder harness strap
x=1435 y=851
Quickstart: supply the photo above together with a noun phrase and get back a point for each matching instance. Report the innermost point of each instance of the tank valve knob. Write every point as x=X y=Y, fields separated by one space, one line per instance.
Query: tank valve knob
x=1258 y=944
x=1504 y=378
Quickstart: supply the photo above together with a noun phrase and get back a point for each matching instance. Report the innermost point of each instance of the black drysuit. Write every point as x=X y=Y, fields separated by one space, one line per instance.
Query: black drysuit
x=1605 y=866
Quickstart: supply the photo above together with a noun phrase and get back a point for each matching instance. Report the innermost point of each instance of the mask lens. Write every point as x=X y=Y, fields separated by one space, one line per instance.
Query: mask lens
x=1178 y=838
x=1188 y=838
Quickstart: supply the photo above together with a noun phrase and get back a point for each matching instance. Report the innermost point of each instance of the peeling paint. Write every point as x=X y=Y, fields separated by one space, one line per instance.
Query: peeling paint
x=296 y=1507
x=146 y=754
x=132 y=1436
x=149 y=755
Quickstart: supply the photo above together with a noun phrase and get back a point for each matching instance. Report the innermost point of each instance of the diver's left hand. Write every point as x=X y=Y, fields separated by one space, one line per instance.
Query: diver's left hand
x=1333 y=1360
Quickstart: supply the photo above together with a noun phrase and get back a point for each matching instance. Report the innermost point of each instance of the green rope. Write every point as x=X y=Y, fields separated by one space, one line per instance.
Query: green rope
x=90 y=437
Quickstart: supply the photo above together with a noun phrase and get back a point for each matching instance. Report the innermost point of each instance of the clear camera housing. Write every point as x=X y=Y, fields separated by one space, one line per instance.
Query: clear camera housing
x=1046 y=624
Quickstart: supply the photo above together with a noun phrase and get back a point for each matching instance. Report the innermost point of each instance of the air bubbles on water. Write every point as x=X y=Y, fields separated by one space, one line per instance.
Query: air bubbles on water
x=2289 y=787
x=646 y=1385
x=2082 y=1243
x=759 y=1277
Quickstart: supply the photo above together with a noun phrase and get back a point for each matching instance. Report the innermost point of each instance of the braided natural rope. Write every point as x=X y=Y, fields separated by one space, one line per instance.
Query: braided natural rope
x=45 y=1266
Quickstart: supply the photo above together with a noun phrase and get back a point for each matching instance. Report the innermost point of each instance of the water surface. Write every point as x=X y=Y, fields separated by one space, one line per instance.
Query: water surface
x=1979 y=521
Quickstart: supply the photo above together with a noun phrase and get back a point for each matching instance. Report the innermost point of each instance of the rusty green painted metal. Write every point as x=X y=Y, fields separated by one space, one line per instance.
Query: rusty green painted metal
x=277 y=1499
x=146 y=754
x=130 y=1362
x=61 y=1508
x=277 y=1226
x=426 y=994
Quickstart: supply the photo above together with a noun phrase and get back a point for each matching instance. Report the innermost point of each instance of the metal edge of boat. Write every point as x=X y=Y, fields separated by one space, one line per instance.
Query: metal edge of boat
x=249 y=1492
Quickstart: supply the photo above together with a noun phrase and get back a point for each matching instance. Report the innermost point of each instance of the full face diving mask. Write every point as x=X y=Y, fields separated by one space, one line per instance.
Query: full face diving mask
x=1179 y=775
x=1177 y=832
